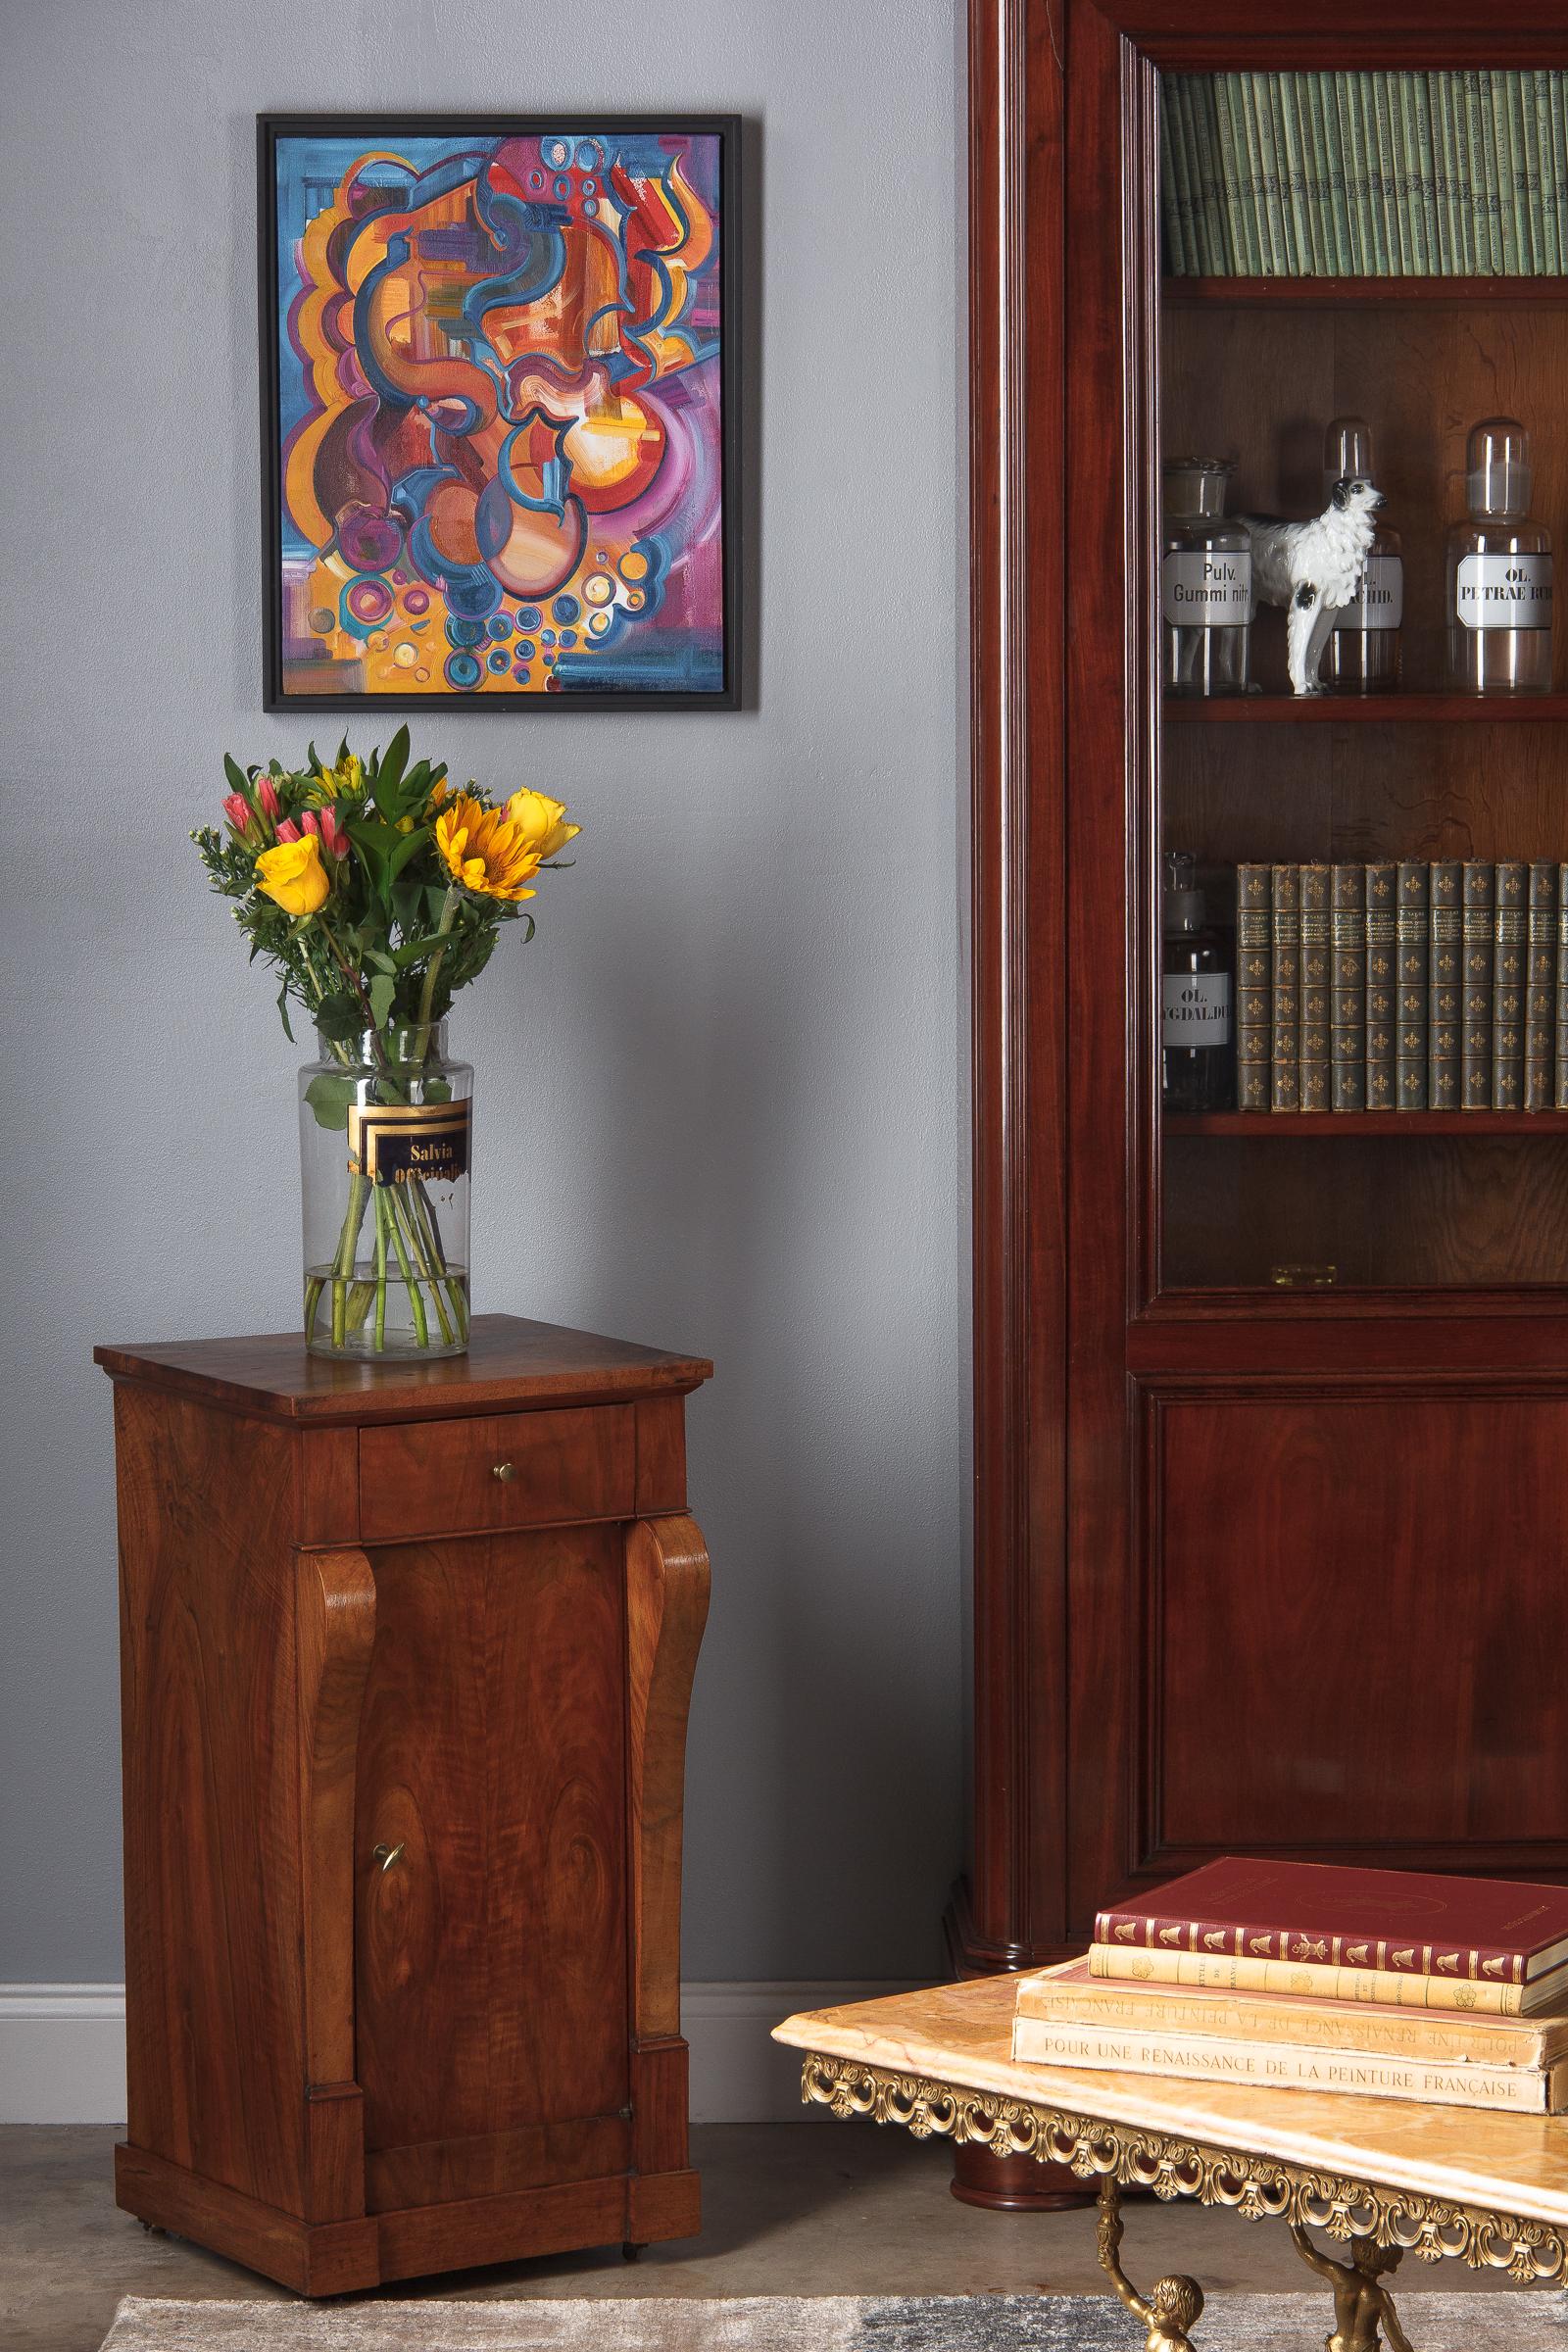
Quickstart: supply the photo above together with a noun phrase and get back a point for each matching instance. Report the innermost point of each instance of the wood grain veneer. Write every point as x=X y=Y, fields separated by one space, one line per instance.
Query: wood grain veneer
x=403 y=1773
x=1148 y=1402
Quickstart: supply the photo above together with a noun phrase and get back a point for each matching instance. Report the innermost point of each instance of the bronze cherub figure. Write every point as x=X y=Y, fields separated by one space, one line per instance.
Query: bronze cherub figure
x=1360 y=2304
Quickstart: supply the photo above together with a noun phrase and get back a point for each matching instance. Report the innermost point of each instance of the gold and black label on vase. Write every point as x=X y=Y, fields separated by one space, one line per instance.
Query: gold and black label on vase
x=403 y=1142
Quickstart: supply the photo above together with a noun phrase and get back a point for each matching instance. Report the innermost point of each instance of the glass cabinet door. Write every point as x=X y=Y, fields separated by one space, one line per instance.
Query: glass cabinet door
x=1359 y=909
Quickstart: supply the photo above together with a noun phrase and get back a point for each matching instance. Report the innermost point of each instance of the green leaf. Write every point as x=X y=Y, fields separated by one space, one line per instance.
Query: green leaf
x=238 y=781
x=393 y=760
x=381 y=991
x=338 y=1018
x=283 y=1012
x=414 y=950
x=407 y=847
x=329 y=1098
x=436 y=1090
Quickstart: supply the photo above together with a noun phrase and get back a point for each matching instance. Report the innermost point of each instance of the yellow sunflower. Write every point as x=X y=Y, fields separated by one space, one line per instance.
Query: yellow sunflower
x=484 y=850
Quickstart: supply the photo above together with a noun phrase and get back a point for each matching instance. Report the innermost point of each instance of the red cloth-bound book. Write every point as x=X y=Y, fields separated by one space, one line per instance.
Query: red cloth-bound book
x=1491 y=1929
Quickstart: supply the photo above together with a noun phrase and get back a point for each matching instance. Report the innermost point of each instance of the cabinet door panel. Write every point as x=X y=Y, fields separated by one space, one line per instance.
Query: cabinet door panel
x=491 y=1961
x=1358 y=1610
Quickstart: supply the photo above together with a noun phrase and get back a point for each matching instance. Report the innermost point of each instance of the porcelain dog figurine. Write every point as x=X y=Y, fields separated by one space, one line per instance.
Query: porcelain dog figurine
x=1312 y=570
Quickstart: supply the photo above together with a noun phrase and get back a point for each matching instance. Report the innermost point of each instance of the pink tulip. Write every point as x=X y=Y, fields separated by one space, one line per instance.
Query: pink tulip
x=309 y=821
x=238 y=811
x=333 y=835
x=288 y=830
x=267 y=794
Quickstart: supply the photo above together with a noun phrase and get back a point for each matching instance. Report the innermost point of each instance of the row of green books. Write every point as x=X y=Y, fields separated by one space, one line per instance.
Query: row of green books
x=1461 y=174
x=1403 y=985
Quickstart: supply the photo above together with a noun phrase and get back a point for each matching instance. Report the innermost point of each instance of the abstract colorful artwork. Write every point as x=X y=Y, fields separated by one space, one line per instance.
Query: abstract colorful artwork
x=497 y=411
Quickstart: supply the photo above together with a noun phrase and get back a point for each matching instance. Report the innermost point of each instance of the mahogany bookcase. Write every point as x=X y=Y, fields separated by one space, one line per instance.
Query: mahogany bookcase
x=1255 y=1568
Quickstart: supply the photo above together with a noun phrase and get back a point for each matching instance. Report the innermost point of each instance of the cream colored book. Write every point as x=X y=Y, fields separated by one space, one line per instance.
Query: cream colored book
x=1376 y=1988
x=1068 y=1994
x=1286 y=2066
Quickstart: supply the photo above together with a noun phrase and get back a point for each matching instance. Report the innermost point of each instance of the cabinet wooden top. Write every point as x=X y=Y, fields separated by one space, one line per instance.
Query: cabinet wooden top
x=509 y=1362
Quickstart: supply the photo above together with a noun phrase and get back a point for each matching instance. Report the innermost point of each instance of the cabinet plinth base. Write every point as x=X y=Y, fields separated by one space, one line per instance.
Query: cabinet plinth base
x=1015 y=2184
x=337 y=2258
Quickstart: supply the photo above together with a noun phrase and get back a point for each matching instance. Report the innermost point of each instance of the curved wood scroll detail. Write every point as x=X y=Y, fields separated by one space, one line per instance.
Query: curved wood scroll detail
x=336 y=1632
x=666 y=1609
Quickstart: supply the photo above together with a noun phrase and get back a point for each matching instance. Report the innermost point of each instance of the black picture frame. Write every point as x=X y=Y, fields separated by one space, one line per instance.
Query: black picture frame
x=578 y=123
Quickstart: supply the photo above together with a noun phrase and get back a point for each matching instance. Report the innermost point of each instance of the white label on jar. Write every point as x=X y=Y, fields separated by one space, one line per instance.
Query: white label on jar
x=1206 y=592
x=1379 y=601
x=1196 y=1009
x=1504 y=592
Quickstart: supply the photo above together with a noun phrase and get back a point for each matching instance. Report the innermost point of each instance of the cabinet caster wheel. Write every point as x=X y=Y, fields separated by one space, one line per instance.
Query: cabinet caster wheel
x=630 y=2252
x=154 y=2230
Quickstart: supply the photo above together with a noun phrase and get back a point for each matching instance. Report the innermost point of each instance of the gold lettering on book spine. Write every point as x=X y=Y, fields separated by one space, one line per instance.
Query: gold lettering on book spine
x=1257 y=2187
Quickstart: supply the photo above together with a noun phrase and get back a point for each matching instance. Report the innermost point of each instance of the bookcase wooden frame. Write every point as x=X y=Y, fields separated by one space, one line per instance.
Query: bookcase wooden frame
x=1072 y=1328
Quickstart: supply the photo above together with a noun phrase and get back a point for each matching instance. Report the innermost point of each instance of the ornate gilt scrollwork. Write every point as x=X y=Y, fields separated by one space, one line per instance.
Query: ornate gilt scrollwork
x=1257 y=2187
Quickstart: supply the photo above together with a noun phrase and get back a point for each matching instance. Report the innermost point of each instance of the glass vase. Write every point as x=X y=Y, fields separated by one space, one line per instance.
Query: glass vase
x=385 y=1121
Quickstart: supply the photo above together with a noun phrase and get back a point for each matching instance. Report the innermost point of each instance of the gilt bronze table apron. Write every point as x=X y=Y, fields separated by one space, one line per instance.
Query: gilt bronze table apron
x=1373 y=2224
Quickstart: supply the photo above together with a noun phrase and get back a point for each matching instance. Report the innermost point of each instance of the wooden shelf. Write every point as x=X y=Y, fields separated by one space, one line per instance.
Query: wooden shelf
x=1342 y=293
x=1363 y=710
x=1284 y=1126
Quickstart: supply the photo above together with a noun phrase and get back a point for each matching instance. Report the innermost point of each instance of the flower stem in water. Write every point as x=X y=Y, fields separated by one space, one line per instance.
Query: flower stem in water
x=380 y=1270
x=421 y=1327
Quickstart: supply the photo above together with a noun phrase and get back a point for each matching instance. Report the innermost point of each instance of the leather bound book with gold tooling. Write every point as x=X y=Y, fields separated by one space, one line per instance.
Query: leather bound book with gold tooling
x=1255 y=994
x=1348 y=988
x=1316 y=965
x=1412 y=1009
x=1474 y=1033
x=1445 y=985
x=1284 y=1093
x=1509 y=985
x=1402 y=1923
x=1366 y=1988
x=1383 y=984
x=1541 y=986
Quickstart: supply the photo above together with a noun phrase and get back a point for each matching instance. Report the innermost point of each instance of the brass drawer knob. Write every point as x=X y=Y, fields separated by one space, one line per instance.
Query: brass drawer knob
x=386 y=1855
x=504 y=1470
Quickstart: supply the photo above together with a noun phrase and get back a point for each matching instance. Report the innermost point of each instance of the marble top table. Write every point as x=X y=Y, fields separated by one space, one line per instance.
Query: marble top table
x=1381 y=2177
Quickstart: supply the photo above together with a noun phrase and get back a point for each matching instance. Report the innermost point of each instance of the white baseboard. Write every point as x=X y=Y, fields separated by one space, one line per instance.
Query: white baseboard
x=63 y=2050
x=62 y=2053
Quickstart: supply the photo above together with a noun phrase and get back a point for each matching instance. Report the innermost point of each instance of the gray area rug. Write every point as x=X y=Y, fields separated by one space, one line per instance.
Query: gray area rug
x=1506 y=2320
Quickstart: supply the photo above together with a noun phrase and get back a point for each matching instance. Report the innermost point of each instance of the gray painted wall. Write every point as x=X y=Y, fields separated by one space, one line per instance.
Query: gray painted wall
x=718 y=1095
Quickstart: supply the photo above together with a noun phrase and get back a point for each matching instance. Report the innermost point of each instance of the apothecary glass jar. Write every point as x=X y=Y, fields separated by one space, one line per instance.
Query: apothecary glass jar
x=385 y=1124
x=1499 y=576
x=1362 y=656
x=1206 y=583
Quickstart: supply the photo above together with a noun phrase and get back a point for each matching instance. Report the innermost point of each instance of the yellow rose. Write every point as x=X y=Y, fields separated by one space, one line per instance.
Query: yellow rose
x=540 y=821
x=293 y=874
x=484 y=850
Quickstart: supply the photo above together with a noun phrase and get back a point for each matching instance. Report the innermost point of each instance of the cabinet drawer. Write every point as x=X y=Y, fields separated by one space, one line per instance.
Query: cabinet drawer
x=432 y=1478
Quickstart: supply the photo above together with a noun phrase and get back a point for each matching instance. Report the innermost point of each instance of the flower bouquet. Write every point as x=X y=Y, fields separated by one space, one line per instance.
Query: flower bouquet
x=376 y=892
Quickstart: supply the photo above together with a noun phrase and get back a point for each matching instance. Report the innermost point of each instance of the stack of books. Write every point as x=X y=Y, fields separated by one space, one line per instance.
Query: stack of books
x=1387 y=1984
x=1403 y=985
x=1365 y=175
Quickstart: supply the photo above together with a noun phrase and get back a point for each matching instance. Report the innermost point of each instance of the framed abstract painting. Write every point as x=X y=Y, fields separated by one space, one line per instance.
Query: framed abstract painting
x=498 y=411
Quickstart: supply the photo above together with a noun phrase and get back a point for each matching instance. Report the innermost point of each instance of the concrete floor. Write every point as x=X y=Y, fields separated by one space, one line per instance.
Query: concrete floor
x=801 y=2209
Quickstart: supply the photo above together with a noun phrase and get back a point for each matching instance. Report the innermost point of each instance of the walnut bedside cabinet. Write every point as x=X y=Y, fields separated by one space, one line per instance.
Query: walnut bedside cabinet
x=406 y=1658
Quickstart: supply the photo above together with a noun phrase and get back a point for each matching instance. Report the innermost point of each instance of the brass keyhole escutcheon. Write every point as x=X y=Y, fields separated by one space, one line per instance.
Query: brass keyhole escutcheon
x=504 y=1470
x=386 y=1855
